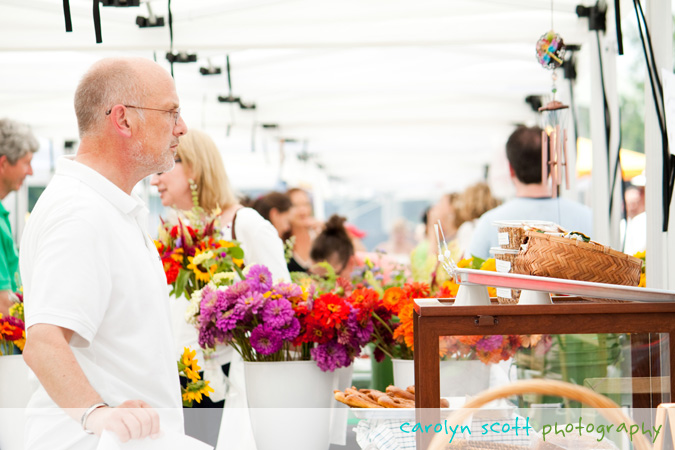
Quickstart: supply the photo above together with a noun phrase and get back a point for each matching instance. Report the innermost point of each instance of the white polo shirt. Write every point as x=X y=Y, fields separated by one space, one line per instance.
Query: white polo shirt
x=89 y=265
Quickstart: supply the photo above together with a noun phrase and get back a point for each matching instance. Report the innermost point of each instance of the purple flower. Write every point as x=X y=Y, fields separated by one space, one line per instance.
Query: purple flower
x=237 y=290
x=288 y=291
x=291 y=330
x=266 y=340
x=489 y=343
x=250 y=304
x=361 y=335
x=228 y=320
x=278 y=313
x=207 y=305
x=260 y=278
x=353 y=335
x=209 y=336
x=330 y=356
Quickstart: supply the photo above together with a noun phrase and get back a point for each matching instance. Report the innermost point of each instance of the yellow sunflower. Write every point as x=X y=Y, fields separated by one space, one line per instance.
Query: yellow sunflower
x=195 y=266
x=189 y=363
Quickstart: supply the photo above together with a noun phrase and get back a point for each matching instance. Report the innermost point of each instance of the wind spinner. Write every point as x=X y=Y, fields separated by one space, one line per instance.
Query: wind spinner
x=550 y=53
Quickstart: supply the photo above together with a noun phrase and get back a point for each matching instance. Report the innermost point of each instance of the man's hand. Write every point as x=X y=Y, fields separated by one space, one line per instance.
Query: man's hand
x=133 y=419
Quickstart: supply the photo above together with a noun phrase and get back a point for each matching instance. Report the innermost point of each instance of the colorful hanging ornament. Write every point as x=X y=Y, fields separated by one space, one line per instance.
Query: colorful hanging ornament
x=550 y=50
x=550 y=54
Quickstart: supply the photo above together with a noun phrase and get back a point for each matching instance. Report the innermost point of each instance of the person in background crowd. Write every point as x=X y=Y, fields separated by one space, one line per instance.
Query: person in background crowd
x=96 y=304
x=277 y=208
x=198 y=161
x=17 y=145
x=424 y=258
x=303 y=230
x=533 y=197
x=634 y=228
x=334 y=246
x=399 y=246
x=475 y=201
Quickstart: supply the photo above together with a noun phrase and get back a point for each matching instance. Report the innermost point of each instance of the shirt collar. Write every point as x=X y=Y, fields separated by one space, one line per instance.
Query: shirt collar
x=3 y=210
x=131 y=205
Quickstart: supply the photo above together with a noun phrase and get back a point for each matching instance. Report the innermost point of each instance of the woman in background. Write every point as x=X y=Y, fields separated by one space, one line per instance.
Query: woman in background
x=476 y=200
x=424 y=258
x=277 y=209
x=334 y=246
x=303 y=230
x=199 y=160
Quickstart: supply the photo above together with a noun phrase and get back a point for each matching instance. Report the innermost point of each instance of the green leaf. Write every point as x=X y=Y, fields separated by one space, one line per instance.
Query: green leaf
x=181 y=281
x=477 y=262
x=235 y=252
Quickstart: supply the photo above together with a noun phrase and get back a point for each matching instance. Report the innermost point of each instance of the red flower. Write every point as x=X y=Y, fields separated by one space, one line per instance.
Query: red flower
x=331 y=310
x=365 y=301
x=171 y=269
x=416 y=290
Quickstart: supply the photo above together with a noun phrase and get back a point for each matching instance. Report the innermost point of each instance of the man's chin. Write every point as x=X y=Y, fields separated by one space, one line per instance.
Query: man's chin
x=167 y=166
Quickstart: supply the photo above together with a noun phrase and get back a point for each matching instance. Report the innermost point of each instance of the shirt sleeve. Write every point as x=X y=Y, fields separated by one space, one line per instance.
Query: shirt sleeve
x=5 y=276
x=68 y=279
x=480 y=240
x=261 y=243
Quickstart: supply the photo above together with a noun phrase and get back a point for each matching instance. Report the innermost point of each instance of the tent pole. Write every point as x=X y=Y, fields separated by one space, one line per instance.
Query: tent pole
x=660 y=245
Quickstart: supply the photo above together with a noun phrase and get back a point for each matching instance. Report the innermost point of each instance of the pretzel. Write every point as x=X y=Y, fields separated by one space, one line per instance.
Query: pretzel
x=392 y=402
x=372 y=398
x=374 y=394
x=397 y=392
x=355 y=400
x=411 y=389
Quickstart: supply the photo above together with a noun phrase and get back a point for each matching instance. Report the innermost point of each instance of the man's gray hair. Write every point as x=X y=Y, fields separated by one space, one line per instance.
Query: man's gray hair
x=16 y=140
x=109 y=82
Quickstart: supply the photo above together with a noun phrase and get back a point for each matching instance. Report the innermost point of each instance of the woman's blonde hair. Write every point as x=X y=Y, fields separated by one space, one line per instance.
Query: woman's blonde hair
x=476 y=200
x=200 y=154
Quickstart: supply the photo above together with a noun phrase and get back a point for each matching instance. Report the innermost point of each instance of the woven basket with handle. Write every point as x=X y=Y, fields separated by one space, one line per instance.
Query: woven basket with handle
x=558 y=257
x=605 y=406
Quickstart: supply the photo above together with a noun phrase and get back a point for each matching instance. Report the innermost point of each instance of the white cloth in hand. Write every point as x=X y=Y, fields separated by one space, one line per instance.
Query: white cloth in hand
x=168 y=440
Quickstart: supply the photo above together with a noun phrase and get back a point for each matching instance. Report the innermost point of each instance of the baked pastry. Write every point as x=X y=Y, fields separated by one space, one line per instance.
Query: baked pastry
x=397 y=392
x=395 y=397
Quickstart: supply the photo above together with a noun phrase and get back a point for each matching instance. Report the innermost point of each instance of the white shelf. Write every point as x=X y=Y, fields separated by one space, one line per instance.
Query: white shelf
x=560 y=286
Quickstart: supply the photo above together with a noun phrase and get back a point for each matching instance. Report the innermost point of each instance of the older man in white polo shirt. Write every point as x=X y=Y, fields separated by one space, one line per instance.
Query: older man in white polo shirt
x=98 y=337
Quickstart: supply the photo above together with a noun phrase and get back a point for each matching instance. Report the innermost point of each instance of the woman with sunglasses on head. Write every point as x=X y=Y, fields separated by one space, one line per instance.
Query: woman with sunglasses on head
x=198 y=162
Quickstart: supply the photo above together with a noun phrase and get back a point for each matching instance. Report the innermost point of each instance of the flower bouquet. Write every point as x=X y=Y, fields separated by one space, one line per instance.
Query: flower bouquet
x=193 y=253
x=13 y=328
x=264 y=321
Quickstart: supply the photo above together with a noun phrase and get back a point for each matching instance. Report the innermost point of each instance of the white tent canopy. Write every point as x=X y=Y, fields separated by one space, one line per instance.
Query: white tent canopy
x=413 y=98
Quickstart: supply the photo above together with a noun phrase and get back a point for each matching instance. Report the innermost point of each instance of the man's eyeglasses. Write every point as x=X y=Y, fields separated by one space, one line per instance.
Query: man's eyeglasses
x=175 y=112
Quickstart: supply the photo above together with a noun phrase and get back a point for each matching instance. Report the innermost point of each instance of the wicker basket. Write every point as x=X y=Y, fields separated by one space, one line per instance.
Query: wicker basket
x=558 y=257
x=605 y=406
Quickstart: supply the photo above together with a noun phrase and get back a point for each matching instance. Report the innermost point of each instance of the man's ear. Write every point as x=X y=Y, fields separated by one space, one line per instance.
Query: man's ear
x=120 y=120
x=4 y=162
x=274 y=214
x=512 y=172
